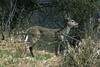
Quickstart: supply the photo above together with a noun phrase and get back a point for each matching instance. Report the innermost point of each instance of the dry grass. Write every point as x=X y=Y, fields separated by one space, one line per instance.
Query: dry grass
x=87 y=55
x=16 y=55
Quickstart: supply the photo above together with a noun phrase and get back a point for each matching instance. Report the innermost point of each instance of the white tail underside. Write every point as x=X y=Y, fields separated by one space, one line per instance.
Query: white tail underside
x=26 y=39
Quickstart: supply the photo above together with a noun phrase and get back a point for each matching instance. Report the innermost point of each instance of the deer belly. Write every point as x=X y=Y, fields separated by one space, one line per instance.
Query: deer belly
x=47 y=37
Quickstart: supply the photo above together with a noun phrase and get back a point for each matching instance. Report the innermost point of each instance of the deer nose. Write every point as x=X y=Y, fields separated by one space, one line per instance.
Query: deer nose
x=76 y=25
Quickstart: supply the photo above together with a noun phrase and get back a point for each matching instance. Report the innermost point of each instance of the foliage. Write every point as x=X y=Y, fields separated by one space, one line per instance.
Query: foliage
x=15 y=13
x=80 y=9
x=85 y=56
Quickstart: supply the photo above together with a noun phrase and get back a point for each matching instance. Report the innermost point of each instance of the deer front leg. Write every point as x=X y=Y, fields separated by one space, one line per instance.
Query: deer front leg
x=61 y=48
x=56 y=49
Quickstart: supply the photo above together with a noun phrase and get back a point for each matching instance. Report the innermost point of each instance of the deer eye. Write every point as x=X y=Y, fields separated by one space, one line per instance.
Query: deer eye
x=72 y=21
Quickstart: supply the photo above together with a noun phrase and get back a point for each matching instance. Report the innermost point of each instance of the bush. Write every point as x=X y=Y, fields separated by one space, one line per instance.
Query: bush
x=88 y=55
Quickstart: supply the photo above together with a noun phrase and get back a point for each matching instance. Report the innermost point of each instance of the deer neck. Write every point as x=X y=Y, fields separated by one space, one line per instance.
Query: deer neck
x=66 y=30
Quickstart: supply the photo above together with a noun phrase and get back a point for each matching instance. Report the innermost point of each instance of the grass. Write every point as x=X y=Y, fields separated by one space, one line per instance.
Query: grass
x=16 y=55
x=87 y=55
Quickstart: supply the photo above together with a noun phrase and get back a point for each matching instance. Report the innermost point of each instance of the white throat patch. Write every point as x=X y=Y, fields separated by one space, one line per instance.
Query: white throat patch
x=62 y=37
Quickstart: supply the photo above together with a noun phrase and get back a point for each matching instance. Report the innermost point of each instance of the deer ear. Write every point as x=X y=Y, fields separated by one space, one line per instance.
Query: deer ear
x=66 y=17
x=65 y=22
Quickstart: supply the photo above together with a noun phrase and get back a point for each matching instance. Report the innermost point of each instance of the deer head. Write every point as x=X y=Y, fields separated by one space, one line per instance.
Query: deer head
x=69 y=22
x=72 y=23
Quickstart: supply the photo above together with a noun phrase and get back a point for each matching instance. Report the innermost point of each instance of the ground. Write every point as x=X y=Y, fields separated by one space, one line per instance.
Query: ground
x=17 y=55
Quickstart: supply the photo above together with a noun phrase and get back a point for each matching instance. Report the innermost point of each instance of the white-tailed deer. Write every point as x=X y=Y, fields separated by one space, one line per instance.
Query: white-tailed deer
x=36 y=33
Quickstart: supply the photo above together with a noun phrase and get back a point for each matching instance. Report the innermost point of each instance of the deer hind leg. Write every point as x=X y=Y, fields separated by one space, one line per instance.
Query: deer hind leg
x=31 y=48
x=31 y=43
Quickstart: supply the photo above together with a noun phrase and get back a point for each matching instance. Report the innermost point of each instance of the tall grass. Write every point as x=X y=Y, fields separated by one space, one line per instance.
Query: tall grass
x=87 y=55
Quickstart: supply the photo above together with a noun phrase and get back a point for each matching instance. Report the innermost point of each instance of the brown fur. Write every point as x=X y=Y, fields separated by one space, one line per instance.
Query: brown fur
x=42 y=33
